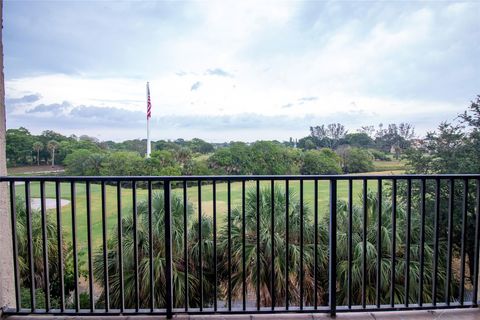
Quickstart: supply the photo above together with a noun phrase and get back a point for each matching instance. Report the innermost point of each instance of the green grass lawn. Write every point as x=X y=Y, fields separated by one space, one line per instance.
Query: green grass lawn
x=202 y=157
x=207 y=203
x=34 y=170
x=392 y=166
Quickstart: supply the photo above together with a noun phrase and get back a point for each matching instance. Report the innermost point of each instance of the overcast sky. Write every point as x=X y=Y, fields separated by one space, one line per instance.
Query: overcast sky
x=237 y=70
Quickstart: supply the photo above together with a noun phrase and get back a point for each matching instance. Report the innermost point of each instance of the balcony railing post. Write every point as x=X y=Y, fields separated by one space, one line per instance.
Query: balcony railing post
x=168 y=250
x=7 y=274
x=16 y=274
x=332 y=246
x=475 y=297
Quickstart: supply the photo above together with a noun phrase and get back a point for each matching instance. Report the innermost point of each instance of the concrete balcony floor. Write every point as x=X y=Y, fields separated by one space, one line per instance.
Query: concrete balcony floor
x=456 y=314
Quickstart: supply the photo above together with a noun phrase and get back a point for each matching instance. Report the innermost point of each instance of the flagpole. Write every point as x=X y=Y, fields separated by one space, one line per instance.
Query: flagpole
x=149 y=144
x=148 y=123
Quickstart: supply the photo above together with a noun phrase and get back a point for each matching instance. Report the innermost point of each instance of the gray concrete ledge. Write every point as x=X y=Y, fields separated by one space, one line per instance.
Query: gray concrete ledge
x=457 y=314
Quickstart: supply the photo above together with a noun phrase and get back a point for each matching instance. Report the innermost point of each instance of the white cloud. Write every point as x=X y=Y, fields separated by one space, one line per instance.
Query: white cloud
x=397 y=62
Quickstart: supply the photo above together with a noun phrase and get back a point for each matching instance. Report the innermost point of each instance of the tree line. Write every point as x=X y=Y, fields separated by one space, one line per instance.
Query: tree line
x=50 y=147
x=329 y=149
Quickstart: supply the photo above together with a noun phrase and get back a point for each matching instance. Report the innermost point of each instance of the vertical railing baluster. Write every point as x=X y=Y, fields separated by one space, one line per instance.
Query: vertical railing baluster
x=287 y=238
x=120 y=246
x=451 y=199
x=13 y=212
x=150 y=245
x=301 y=271
x=185 y=241
x=45 y=246
x=463 y=241
x=350 y=243
x=168 y=248
x=435 y=244
x=135 y=245
x=379 y=243
x=215 y=294
x=407 y=244
x=272 y=236
x=315 y=248
x=89 y=246
x=422 y=239
x=476 y=246
x=244 y=252
x=105 y=251
x=200 y=240
x=58 y=205
x=394 y=243
x=229 y=243
x=30 y=245
x=364 y=244
x=258 y=243
x=74 y=244
x=332 y=243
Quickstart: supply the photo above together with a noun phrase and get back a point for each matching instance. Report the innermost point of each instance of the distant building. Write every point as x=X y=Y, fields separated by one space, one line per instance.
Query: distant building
x=417 y=143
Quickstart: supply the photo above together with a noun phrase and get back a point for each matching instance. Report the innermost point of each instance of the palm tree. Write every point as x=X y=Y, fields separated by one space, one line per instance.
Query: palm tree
x=386 y=254
x=322 y=247
x=38 y=146
x=52 y=146
x=179 y=263
x=279 y=257
x=182 y=155
x=265 y=210
x=37 y=245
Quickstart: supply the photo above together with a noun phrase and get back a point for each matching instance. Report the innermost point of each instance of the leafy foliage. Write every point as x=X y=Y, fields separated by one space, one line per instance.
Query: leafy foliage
x=355 y=160
x=453 y=148
x=386 y=253
x=294 y=221
x=84 y=163
x=361 y=140
x=38 y=261
x=324 y=161
x=19 y=146
x=159 y=255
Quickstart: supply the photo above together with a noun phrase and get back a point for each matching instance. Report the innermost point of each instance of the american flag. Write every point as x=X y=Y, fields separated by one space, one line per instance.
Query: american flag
x=149 y=103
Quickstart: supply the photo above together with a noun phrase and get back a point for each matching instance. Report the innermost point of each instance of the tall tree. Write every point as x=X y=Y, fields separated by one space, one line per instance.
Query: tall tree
x=37 y=146
x=19 y=146
x=328 y=136
x=406 y=130
x=355 y=160
x=52 y=147
x=360 y=139
x=336 y=131
x=324 y=161
x=368 y=130
x=183 y=155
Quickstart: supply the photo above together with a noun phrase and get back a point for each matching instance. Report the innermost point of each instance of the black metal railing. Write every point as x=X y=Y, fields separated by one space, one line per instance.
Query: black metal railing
x=243 y=244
